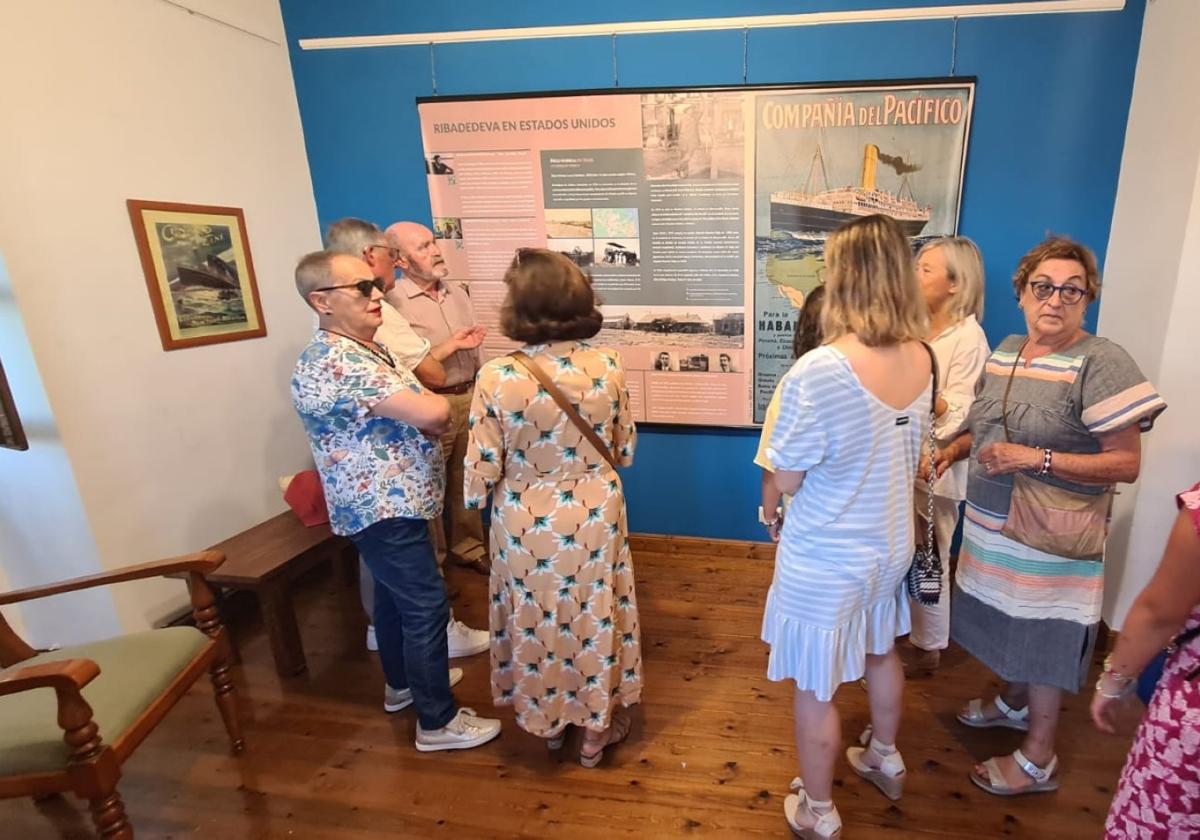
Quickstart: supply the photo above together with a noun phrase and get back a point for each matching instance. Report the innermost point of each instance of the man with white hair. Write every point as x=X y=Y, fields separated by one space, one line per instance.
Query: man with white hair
x=363 y=239
x=437 y=307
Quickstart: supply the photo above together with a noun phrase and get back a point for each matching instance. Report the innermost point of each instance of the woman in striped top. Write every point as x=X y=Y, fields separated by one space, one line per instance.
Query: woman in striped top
x=853 y=414
x=1057 y=421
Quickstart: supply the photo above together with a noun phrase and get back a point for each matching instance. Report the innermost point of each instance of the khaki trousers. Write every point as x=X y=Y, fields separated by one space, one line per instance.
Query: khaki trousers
x=459 y=531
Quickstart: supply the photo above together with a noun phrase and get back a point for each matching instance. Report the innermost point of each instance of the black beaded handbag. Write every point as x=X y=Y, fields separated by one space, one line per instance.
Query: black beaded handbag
x=925 y=573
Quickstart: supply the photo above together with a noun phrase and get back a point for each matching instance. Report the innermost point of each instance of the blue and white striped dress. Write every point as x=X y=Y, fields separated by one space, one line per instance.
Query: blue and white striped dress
x=838 y=592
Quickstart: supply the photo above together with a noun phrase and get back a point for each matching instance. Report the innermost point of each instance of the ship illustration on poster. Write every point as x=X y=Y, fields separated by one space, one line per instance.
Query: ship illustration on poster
x=809 y=211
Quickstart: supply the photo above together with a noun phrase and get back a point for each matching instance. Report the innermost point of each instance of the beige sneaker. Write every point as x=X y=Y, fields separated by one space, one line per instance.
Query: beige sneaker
x=395 y=699
x=464 y=731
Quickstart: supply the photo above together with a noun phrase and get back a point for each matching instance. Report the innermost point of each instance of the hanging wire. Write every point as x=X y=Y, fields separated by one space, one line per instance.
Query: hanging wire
x=433 y=68
x=745 y=55
x=954 y=48
x=616 y=80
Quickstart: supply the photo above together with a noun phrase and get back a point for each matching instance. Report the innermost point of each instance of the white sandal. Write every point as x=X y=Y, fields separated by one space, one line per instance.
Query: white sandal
x=828 y=825
x=889 y=776
x=1017 y=719
x=1045 y=779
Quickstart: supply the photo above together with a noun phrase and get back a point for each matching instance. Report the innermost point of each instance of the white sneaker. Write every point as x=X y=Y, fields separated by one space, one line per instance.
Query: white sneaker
x=466 y=730
x=461 y=640
x=395 y=699
x=372 y=642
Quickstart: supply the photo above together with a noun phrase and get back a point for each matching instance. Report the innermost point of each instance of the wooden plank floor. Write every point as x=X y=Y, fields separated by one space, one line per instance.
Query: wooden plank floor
x=711 y=753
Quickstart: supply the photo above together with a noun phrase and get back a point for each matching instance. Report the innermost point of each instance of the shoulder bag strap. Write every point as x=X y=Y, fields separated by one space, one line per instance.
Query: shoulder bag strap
x=548 y=384
x=933 y=366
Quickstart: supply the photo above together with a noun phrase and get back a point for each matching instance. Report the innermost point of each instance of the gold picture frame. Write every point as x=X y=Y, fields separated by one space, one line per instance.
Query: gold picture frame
x=12 y=433
x=199 y=272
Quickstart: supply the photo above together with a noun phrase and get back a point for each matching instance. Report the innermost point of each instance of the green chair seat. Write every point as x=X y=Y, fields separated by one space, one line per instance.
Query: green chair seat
x=134 y=672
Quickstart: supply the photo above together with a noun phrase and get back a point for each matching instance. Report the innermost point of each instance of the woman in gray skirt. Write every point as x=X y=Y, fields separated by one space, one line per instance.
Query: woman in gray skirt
x=1056 y=422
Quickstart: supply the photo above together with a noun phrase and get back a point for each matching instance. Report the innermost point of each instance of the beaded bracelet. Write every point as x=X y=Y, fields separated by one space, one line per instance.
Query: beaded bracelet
x=1047 y=455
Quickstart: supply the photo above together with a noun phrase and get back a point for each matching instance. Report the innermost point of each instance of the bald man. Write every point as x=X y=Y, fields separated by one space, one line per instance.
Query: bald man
x=438 y=308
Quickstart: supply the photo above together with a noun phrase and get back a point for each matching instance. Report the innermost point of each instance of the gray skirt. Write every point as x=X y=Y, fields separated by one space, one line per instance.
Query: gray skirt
x=1043 y=651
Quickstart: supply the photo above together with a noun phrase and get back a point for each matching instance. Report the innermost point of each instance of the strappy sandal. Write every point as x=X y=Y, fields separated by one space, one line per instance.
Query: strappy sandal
x=618 y=731
x=1011 y=718
x=1045 y=779
x=889 y=776
x=828 y=825
x=555 y=742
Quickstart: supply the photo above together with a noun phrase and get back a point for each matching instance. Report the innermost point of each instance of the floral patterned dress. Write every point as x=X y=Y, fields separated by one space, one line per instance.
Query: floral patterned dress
x=1159 y=792
x=566 y=646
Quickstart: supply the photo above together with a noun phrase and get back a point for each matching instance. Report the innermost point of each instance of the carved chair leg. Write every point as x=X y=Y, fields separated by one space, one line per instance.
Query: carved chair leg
x=108 y=814
x=208 y=619
x=92 y=767
x=226 y=697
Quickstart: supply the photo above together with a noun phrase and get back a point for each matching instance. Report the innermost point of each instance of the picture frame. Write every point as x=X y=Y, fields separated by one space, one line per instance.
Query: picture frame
x=12 y=433
x=199 y=272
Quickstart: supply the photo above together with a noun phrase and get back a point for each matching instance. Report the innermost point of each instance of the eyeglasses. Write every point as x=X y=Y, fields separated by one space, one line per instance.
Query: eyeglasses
x=1068 y=294
x=364 y=287
x=393 y=253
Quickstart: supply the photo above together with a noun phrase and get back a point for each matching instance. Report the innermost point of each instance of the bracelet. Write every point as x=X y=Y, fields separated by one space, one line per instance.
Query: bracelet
x=1047 y=456
x=1107 y=671
x=1124 y=691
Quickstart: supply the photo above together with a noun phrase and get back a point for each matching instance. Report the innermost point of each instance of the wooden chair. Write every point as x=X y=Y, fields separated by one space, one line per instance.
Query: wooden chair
x=107 y=696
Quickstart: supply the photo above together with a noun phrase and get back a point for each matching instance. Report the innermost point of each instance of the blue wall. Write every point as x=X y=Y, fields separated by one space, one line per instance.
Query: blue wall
x=1051 y=105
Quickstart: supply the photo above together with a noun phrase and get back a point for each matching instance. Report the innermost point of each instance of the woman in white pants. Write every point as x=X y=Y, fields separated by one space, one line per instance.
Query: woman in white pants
x=950 y=270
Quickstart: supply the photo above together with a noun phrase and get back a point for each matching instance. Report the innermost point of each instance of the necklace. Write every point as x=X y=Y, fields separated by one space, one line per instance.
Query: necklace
x=384 y=356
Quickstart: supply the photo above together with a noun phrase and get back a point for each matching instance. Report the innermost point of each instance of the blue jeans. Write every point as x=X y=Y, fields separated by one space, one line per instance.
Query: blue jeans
x=411 y=613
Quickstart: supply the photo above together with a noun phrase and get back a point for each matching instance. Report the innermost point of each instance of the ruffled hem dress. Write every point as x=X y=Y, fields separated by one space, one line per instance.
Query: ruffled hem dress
x=838 y=591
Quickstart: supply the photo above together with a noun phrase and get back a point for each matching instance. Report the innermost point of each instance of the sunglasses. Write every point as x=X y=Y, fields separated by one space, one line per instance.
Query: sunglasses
x=364 y=287
x=1068 y=294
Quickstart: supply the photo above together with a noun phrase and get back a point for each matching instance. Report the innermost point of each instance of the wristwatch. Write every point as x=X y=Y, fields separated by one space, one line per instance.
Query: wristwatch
x=762 y=516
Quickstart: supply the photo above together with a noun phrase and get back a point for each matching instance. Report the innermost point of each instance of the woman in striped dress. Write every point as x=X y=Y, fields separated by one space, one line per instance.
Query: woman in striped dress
x=1057 y=421
x=853 y=415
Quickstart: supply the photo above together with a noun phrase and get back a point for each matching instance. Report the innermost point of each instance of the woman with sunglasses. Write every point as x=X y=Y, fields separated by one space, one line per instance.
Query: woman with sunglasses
x=1057 y=421
x=373 y=431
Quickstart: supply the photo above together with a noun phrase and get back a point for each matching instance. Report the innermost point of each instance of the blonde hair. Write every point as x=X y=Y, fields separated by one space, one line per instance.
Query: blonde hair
x=964 y=268
x=871 y=289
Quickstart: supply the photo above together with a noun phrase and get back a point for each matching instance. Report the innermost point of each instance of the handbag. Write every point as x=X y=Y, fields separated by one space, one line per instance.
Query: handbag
x=555 y=394
x=924 y=577
x=1050 y=518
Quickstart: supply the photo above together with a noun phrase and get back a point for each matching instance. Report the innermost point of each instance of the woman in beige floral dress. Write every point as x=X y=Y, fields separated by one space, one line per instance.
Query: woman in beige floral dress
x=565 y=635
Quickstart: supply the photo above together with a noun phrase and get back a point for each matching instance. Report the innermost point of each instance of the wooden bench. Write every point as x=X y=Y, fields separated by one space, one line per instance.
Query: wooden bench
x=265 y=560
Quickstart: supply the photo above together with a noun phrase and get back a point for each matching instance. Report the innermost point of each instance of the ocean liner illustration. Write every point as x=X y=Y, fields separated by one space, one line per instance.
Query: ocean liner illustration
x=820 y=212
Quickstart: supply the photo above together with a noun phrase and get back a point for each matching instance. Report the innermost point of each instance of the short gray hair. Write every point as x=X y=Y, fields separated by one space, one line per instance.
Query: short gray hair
x=353 y=236
x=314 y=271
x=964 y=267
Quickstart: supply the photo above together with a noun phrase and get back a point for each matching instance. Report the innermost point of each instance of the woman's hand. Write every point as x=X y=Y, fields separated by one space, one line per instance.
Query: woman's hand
x=1108 y=712
x=774 y=528
x=942 y=460
x=1006 y=458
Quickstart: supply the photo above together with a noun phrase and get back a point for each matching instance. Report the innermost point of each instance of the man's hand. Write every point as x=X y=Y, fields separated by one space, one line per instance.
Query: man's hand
x=470 y=338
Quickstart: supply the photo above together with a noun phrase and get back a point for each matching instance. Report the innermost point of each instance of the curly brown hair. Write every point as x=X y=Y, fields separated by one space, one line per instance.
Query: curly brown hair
x=1059 y=248
x=548 y=299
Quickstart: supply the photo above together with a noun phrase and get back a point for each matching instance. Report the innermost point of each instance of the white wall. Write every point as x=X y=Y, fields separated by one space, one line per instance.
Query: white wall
x=1151 y=300
x=168 y=452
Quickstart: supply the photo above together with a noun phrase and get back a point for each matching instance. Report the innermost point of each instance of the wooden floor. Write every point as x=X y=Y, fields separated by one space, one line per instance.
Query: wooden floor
x=711 y=754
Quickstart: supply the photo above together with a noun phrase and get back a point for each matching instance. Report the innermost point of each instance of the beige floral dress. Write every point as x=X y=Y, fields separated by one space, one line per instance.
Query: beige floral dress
x=564 y=620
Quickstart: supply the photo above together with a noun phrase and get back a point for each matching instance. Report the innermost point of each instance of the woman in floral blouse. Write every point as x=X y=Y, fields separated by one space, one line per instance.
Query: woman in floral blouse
x=1159 y=791
x=565 y=638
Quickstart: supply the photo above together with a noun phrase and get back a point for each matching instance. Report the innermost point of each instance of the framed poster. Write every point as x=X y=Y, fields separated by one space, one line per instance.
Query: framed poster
x=701 y=214
x=196 y=260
